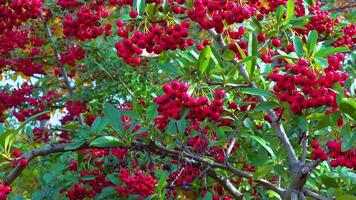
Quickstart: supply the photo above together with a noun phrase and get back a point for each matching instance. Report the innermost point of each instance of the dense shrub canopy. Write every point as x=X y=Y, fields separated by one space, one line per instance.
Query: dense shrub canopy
x=177 y=99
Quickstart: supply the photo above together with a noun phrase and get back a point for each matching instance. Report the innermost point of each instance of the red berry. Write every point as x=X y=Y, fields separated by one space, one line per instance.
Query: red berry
x=133 y=14
x=276 y=42
x=24 y=162
x=16 y=153
x=314 y=144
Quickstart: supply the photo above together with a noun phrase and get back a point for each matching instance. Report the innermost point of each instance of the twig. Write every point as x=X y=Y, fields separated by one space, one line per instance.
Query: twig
x=226 y=183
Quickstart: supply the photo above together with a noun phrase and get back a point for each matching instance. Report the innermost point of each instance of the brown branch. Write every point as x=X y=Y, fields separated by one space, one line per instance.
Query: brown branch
x=42 y=151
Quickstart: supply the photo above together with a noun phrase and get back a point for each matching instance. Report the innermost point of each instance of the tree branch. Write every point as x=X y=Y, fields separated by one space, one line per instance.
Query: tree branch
x=226 y=184
x=68 y=83
x=275 y=122
x=42 y=151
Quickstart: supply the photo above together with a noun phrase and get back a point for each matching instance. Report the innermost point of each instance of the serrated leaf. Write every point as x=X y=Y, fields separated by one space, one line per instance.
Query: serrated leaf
x=106 y=141
x=262 y=171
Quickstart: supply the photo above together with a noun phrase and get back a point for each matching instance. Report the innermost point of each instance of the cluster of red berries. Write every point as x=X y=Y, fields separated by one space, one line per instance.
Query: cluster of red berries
x=348 y=38
x=301 y=87
x=14 y=13
x=80 y=192
x=136 y=183
x=320 y=21
x=65 y=4
x=213 y=14
x=4 y=191
x=183 y=177
x=25 y=105
x=72 y=54
x=339 y=158
x=86 y=25
x=120 y=2
x=176 y=99
x=74 y=108
x=40 y=135
x=155 y=40
x=96 y=184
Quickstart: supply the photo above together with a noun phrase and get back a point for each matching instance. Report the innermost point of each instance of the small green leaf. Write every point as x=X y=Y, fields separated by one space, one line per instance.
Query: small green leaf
x=114 y=117
x=262 y=171
x=348 y=106
x=298 y=46
x=290 y=11
x=252 y=51
x=99 y=124
x=330 y=51
x=311 y=41
x=279 y=13
x=228 y=55
x=162 y=181
x=204 y=59
x=208 y=196
x=106 y=141
x=264 y=144
x=107 y=192
x=165 y=6
x=266 y=106
x=258 y=92
x=349 y=138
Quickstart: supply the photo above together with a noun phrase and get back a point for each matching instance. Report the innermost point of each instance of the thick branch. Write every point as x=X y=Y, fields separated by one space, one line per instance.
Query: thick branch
x=275 y=122
x=42 y=151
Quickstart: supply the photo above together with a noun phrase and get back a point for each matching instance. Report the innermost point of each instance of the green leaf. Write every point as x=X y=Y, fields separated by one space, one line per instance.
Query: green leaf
x=208 y=196
x=139 y=5
x=106 y=141
x=311 y=41
x=348 y=106
x=346 y=197
x=228 y=55
x=264 y=144
x=349 y=138
x=99 y=124
x=165 y=6
x=107 y=192
x=258 y=92
x=204 y=59
x=162 y=181
x=298 y=46
x=114 y=117
x=252 y=51
x=330 y=51
x=290 y=11
x=266 y=106
x=279 y=13
x=328 y=181
x=262 y=171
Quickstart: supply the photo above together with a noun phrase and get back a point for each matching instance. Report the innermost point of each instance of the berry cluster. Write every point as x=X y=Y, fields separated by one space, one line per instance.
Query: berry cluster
x=137 y=183
x=183 y=177
x=65 y=4
x=348 y=38
x=155 y=40
x=176 y=99
x=213 y=14
x=71 y=55
x=304 y=88
x=40 y=135
x=339 y=158
x=74 y=108
x=79 y=192
x=25 y=104
x=86 y=25
x=4 y=191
